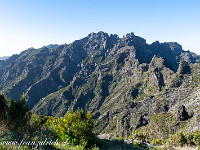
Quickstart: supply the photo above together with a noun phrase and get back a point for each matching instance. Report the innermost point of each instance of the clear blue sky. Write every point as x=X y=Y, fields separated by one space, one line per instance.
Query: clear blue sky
x=35 y=23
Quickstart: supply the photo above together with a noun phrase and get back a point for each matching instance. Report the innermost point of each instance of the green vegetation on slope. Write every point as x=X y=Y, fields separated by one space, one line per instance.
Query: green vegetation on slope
x=20 y=129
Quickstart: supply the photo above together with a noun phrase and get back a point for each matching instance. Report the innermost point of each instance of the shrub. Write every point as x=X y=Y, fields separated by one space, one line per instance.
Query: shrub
x=76 y=127
x=173 y=140
x=161 y=125
x=35 y=125
x=16 y=113
x=118 y=140
x=3 y=106
x=140 y=135
x=196 y=137
x=141 y=145
x=12 y=135
x=158 y=142
x=184 y=138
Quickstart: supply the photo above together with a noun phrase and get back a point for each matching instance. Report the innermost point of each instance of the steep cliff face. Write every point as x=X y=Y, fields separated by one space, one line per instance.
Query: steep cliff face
x=121 y=81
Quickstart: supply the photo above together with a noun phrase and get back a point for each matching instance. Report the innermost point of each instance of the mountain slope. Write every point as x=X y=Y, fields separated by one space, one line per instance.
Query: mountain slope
x=122 y=81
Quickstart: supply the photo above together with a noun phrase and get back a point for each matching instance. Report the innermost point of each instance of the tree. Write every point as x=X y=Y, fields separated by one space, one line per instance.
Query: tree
x=3 y=106
x=16 y=112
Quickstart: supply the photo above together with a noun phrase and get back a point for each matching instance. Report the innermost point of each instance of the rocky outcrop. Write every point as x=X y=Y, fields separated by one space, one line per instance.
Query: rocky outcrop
x=142 y=122
x=182 y=114
x=184 y=68
x=104 y=136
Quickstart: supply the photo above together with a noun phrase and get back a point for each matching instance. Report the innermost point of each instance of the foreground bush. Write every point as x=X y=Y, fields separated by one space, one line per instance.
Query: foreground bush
x=76 y=128
x=3 y=106
x=14 y=114
x=186 y=138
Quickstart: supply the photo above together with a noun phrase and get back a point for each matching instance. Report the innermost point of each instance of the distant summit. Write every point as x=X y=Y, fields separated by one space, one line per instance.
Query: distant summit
x=4 y=57
x=52 y=45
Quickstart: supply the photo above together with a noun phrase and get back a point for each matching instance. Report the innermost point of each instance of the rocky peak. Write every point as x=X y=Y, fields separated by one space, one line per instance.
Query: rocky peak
x=95 y=43
x=129 y=35
x=131 y=40
x=158 y=62
x=166 y=46
x=113 y=39
x=98 y=36
x=184 y=68
x=174 y=46
x=114 y=36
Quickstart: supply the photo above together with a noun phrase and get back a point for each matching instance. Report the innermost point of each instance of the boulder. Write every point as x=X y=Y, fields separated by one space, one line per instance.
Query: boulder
x=128 y=141
x=104 y=136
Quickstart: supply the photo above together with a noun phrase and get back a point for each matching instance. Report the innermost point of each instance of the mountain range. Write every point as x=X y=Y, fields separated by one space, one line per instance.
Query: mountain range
x=123 y=82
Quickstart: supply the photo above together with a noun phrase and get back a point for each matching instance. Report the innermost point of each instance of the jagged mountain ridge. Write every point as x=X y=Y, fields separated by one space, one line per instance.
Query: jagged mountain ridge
x=118 y=79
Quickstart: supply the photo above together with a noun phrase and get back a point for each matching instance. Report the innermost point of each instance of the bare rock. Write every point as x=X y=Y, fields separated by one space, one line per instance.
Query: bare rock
x=142 y=122
x=104 y=136
x=128 y=141
x=182 y=114
x=184 y=68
